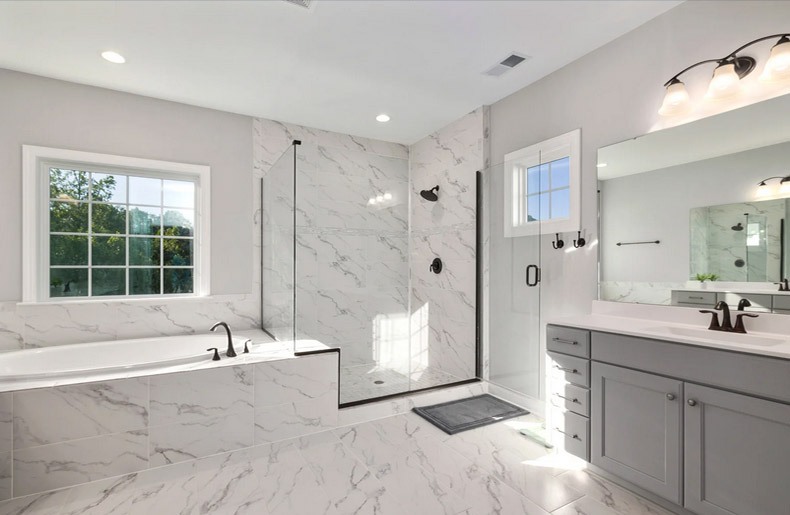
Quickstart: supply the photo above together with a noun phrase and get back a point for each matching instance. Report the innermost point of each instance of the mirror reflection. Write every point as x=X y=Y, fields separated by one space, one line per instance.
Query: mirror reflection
x=701 y=206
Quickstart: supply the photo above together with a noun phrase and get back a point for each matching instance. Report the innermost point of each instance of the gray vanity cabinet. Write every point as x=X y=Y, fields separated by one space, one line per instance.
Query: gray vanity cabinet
x=737 y=457
x=637 y=428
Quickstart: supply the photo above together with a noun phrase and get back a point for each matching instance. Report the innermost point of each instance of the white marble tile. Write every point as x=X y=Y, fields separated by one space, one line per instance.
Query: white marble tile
x=198 y=438
x=6 y=471
x=49 y=503
x=228 y=484
x=12 y=327
x=296 y=419
x=287 y=482
x=200 y=395
x=486 y=495
x=6 y=422
x=607 y=493
x=585 y=506
x=82 y=410
x=48 y=467
x=295 y=380
x=163 y=490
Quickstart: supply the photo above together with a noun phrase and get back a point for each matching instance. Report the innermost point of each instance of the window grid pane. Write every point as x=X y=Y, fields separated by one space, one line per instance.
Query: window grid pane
x=109 y=199
x=547 y=191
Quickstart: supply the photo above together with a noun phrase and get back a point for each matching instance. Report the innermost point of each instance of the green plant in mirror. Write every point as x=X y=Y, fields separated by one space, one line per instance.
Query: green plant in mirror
x=706 y=277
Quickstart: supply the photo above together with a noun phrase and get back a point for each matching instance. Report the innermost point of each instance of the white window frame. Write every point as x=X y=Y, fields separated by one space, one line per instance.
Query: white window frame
x=35 y=216
x=565 y=145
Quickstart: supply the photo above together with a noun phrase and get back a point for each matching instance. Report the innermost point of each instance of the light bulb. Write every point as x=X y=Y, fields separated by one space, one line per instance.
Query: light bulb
x=383 y=118
x=762 y=190
x=784 y=186
x=388 y=196
x=778 y=65
x=676 y=99
x=379 y=198
x=371 y=201
x=724 y=82
x=113 y=57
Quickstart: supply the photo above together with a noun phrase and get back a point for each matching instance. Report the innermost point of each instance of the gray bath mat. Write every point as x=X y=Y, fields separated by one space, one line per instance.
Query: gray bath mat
x=461 y=415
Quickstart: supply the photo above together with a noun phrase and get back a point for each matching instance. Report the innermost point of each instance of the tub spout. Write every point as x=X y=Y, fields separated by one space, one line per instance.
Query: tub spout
x=231 y=352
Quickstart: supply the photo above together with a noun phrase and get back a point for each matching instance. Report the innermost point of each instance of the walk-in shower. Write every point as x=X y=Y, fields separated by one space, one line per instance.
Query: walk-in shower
x=346 y=249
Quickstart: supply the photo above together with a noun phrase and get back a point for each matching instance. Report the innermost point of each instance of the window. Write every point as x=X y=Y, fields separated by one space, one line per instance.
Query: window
x=100 y=226
x=542 y=187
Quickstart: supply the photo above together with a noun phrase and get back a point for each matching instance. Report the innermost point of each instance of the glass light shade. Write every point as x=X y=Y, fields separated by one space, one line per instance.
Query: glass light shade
x=777 y=67
x=676 y=99
x=724 y=82
x=763 y=190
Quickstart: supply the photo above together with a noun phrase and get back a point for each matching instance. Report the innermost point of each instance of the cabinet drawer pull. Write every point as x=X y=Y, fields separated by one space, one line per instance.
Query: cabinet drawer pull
x=671 y=396
x=692 y=402
x=574 y=436
x=698 y=298
x=561 y=340
x=568 y=398
x=571 y=370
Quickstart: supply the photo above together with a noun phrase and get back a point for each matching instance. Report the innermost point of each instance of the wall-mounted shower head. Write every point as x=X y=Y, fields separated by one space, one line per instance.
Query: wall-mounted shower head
x=737 y=227
x=430 y=194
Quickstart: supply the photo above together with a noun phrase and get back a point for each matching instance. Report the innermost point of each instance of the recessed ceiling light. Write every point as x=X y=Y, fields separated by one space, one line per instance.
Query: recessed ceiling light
x=601 y=165
x=113 y=57
x=383 y=118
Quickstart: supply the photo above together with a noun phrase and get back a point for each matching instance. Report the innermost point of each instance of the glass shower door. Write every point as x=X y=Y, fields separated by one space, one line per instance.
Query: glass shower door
x=514 y=281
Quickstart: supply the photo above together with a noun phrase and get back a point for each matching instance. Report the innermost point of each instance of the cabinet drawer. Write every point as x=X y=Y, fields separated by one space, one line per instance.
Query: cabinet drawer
x=571 y=397
x=570 y=369
x=696 y=297
x=568 y=340
x=781 y=302
x=759 y=302
x=571 y=432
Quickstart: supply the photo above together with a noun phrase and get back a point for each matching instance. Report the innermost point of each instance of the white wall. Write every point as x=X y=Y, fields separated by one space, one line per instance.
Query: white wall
x=52 y=113
x=612 y=94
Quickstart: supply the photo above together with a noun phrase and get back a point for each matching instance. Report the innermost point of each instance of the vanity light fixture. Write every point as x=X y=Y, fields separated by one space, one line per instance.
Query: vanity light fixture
x=764 y=190
x=113 y=57
x=728 y=73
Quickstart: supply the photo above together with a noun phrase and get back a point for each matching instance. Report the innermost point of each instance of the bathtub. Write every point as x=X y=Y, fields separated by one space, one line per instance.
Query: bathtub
x=74 y=363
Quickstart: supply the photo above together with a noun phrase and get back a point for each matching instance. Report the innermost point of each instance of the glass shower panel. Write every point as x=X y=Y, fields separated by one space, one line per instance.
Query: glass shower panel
x=278 y=264
x=352 y=265
x=513 y=306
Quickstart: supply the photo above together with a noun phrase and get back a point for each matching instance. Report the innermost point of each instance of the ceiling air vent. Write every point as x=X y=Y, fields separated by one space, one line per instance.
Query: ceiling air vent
x=301 y=3
x=506 y=64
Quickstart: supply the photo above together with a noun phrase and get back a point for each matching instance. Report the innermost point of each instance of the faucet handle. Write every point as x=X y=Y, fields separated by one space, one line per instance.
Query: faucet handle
x=247 y=349
x=216 y=353
x=714 y=319
x=739 y=327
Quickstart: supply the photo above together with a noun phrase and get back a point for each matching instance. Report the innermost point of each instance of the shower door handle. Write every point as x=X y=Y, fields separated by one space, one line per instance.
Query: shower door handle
x=536 y=279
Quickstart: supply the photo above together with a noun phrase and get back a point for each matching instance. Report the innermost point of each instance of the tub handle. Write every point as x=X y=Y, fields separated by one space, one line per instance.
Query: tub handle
x=216 y=353
x=246 y=349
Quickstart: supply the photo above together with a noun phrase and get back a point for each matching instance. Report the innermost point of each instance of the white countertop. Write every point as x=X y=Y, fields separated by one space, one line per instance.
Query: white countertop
x=645 y=321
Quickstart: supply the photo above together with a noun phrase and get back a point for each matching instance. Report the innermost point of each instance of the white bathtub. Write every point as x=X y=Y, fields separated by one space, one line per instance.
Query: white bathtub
x=68 y=364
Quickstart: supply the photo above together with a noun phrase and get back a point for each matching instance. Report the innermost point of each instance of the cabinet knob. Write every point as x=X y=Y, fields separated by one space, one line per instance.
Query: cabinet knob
x=671 y=396
x=692 y=402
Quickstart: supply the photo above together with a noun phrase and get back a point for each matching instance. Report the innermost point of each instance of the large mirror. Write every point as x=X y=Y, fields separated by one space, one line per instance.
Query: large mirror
x=683 y=218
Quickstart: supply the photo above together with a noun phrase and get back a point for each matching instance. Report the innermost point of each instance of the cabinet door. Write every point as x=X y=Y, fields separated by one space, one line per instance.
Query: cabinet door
x=636 y=428
x=737 y=453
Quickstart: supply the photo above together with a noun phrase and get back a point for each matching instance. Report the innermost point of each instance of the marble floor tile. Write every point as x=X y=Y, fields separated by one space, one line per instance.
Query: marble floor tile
x=585 y=506
x=400 y=465
x=609 y=494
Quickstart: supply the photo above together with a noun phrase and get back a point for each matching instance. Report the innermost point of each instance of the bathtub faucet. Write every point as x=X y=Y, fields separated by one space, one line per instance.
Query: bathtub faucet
x=231 y=352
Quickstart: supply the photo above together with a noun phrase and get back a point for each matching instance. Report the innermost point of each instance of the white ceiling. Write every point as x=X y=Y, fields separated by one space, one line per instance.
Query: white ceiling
x=335 y=66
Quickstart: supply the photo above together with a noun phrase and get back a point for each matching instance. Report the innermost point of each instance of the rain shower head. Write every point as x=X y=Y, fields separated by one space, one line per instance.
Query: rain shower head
x=430 y=194
x=737 y=227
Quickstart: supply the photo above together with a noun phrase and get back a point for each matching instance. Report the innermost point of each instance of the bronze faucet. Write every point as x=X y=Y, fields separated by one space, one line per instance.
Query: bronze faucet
x=726 y=324
x=231 y=352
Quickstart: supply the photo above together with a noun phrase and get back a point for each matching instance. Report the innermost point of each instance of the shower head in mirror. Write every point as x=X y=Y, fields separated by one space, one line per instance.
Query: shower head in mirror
x=431 y=194
x=737 y=227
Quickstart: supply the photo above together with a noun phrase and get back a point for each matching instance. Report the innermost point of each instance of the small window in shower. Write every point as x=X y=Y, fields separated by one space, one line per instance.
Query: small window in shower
x=542 y=187
x=112 y=227
x=753 y=234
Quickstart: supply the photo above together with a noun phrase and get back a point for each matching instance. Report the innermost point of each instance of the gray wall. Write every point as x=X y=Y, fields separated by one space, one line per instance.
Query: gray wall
x=52 y=113
x=612 y=94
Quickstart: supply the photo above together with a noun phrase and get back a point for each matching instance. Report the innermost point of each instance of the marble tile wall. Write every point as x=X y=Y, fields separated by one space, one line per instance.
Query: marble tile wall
x=63 y=436
x=443 y=305
x=352 y=253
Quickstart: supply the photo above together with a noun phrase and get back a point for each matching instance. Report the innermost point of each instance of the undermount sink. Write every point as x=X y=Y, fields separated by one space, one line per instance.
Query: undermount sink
x=722 y=336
